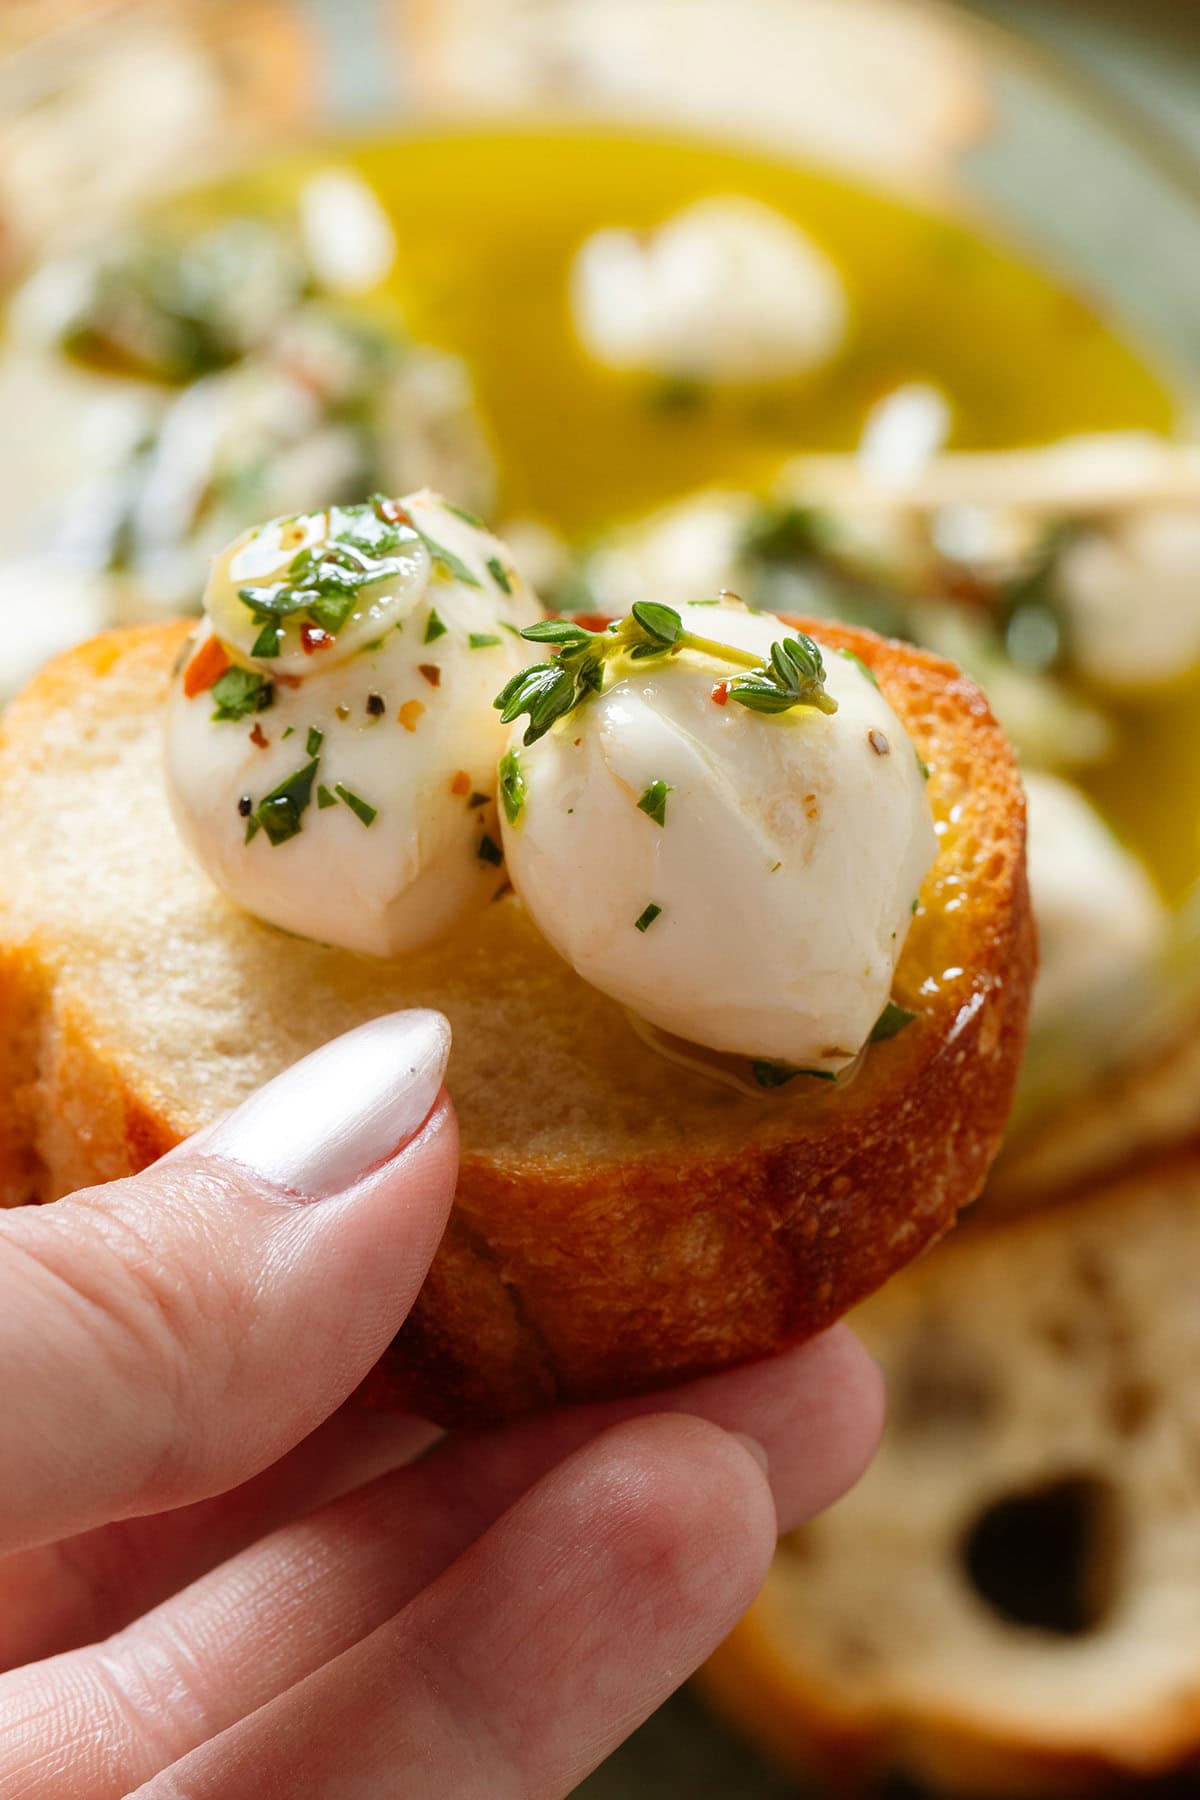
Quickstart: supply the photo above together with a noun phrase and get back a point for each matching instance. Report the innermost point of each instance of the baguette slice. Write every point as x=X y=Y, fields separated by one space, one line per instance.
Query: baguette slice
x=620 y=1221
x=1007 y=1603
x=893 y=92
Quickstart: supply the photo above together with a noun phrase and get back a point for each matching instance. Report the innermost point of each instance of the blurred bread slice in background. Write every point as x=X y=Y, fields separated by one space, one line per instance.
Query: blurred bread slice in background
x=1114 y=1123
x=888 y=91
x=1008 y=1602
x=169 y=93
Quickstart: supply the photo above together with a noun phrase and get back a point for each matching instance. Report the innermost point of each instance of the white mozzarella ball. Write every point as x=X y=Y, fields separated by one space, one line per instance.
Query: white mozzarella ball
x=726 y=290
x=385 y=747
x=1132 y=598
x=743 y=881
x=1100 y=922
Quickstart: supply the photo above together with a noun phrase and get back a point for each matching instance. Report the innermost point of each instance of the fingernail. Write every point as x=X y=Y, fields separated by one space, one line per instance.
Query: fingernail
x=755 y=1448
x=322 y=1125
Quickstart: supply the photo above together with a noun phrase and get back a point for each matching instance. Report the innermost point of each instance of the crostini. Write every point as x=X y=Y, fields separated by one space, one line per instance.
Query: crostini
x=633 y=1207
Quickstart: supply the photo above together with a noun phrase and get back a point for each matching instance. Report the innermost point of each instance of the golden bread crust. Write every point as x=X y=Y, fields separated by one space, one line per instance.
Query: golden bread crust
x=598 y=1249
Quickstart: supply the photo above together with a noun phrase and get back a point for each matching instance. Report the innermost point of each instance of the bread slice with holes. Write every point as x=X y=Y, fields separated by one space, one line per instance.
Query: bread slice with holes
x=1008 y=1602
x=619 y=1222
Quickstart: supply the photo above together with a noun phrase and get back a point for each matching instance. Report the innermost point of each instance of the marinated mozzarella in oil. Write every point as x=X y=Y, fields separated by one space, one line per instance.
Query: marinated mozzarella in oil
x=332 y=744
x=727 y=290
x=741 y=880
x=1100 y=922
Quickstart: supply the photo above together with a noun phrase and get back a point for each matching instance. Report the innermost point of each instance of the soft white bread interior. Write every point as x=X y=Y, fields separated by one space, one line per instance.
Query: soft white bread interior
x=1007 y=1604
x=619 y=1221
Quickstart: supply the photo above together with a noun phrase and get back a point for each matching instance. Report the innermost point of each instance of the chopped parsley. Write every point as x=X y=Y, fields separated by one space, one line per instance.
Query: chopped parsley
x=280 y=813
x=325 y=799
x=891 y=1020
x=451 y=566
x=483 y=640
x=499 y=574
x=777 y=1075
x=314 y=741
x=468 y=518
x=654 y=802
x=360 y=808
x=512 y=786
x=864 y=668
x=240 y=692
x=434 y=628
x=490 y=851
x=323 y=581
x=645 y=920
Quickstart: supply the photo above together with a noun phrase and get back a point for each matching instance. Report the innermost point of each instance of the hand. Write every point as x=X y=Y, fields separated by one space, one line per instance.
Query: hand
x=220 y=1586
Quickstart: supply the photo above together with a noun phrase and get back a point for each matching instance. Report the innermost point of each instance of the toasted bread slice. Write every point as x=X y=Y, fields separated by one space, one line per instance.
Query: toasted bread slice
x=894 y=92
x=1007 y=1603
x=619 y=1221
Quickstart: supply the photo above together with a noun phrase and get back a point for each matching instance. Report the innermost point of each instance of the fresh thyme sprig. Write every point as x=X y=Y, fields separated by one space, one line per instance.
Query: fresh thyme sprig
x=793 y=675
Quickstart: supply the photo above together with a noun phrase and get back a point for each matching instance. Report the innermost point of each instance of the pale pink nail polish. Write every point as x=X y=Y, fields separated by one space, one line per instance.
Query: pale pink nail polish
x=322 y=1125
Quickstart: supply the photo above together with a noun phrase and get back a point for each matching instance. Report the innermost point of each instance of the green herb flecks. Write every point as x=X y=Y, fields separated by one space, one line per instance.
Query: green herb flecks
x=793 y=676
x=325 y=799
x=361 y=810
x=499 y=574
x=645 y=919
x=314 y=741
x=324 y=581
x=434 y=629
x=445 y=561
x=241 y=692
x=654 y=802
x=483 y=640
x=513 y=791
x=281 y=812
x=468 y=518
x=856 y=659
x=891 y=1020
x=777 y=1075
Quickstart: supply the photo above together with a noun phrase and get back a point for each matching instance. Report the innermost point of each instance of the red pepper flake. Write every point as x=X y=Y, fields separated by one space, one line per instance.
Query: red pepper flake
x=206 y=668
x=431 y=672
x=392 y=513
x=720 y=693
x=409 y=713
x=461 y=784
x=258 y=736
x=590 y=621
x=287 y=681
x=314 y=637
